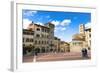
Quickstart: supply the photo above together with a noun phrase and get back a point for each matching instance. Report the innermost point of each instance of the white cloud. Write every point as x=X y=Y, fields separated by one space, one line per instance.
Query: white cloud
x=30 y=13
x=59 y=29
x=65 y=22
x=26 y=22
x=63 y=28
x=56 y=29
x=62 y=23
x=55 y=22
x=39 y=23
x=40 y=18
x=88 y=25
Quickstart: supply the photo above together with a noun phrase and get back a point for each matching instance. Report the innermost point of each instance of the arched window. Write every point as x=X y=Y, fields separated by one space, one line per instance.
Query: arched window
x=39 y=42
x=35 y=41
x=38 y=29
x=42 y=42
x=31 y=40
x=27 y=39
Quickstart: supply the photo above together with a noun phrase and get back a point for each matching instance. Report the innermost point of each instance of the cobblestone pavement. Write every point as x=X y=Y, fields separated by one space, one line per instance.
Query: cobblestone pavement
x=55 y=57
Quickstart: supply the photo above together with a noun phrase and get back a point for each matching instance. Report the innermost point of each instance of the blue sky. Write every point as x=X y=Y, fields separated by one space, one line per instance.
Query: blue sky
x=66 y=23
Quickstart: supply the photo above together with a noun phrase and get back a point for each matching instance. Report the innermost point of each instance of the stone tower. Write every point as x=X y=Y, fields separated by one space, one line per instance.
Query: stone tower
x=51 y=36
x=51 y=32
x=81 y=29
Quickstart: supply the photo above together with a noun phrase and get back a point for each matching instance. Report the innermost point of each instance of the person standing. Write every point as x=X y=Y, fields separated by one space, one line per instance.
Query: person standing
x=83 y=52
x=86 y=53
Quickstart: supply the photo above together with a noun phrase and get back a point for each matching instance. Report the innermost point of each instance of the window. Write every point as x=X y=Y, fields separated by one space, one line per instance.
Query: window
x=38 y=35
x=89 y=35
x=35 y=41
x=42 y=29
x=27 y=39
x=38 y=29
x=47 y=42
x=74 y=43
x=45 y=30
x=32 y=33
x=30 y=45
x=79 y=43
x=31 y=40
x=47 y=36
x=39 y=42
x=42 y=42
x=90 y=42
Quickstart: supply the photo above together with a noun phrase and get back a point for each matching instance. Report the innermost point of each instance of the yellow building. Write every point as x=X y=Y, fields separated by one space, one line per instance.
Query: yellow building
x=56 y=44
x=78 y=41
x=81 y=40
x=64 y=46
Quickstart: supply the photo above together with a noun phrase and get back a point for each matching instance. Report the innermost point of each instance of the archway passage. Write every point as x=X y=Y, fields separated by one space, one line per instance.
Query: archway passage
x=27 y=50
x=51 y=50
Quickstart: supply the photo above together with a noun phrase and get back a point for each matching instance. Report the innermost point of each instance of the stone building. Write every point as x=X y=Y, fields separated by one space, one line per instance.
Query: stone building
x=64 y=46
x=57 y=44
x=77 y=43
x=28 y=41
x=88 y=37
x=43 y=36
x=81 y=40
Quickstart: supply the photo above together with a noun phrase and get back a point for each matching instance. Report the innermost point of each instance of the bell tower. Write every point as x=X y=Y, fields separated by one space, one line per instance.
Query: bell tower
x=51 y=32
x=81 y=29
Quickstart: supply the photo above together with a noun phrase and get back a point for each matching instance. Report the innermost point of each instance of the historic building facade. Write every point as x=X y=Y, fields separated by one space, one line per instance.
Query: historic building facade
x=88 y=37
x=57 y=44
x=81 y=40
x=64 y=46
x=28 y=41
x=43 y=37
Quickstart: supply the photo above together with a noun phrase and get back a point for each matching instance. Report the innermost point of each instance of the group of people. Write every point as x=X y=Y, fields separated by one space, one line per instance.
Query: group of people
x=84 y=53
